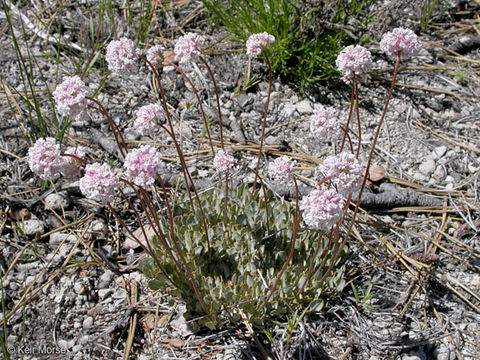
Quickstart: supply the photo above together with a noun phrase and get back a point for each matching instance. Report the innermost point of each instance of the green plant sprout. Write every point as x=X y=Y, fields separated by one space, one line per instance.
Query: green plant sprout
x=363 y=301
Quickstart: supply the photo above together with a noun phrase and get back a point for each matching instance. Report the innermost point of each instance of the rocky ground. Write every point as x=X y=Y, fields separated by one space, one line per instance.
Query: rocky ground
x=70 y=282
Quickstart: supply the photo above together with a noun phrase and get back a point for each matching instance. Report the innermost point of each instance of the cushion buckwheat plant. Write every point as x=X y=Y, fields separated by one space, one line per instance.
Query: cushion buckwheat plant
x=223 y=162
x=281 y=169
x=155 y=55
x=244 y=259
x=238 y=250
x=322 y=209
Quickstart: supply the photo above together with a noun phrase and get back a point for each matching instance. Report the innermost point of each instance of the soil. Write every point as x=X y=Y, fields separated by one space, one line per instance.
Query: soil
x=71 y=286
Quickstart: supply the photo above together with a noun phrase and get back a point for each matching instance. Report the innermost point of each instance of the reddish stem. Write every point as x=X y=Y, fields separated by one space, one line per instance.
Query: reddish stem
x=267 y=104
x=352 y=100
x=115 y=130
x=195 y=91
x=217 y=98
x=355 y=85
x=297 y=219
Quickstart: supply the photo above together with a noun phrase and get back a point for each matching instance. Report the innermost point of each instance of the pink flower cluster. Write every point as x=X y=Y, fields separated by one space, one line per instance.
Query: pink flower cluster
x=322 y=209
x=323 y=122
x=400 y=41
x=155 y=55
x=148 y=118
x=122 y=56
x=281 y=169
x=141 y=165
x=99 y=183
x=44 y=159
x=344 y=170
x=188 y=47
x=223 y=162
x=70 y=97
x=353 y=62
x=257 y=42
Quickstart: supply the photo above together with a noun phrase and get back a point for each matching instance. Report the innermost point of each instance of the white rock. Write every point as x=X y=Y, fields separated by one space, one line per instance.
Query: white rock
x=449 y=187
x=29 y=280
x=441 y=353
x=120 y=294
x=79 y=288
x=107 y=276
x=287 y=111
x=88 y=322
x=60 y=297
x=472 y=168
x=33 y=227
x=103 y=293
x=84 y=339
x=62 y=344
x=416 y=355
x=57 y=201
x=304 y=107
x=427 y=167
x=203 y=173
x=419 y=177
x=449 y=179
x=57 y=237
x=77 y=348
x=439 y=151
x=97 y=228
x=439 y=173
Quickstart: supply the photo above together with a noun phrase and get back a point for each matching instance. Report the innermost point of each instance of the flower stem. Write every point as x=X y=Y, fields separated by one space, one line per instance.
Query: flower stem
x=217 y=98
x=370 y=156
x=350 y=113
x=357 y=111
x=267 y=104
x=115 y=130
x=186 y=173
x=195 y=91
x=297 y=219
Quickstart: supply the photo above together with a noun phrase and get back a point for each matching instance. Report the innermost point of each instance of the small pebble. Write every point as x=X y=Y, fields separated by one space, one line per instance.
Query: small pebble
x=79 y=288
x=427 y=167
x=439 y=151
x=57 y=201
x=57 y=237
x=439 y=173
x=106 y=276
x=87 y=323
x=62 y=344
x=97 y=228
x=103 y=293
x=304 y=107
x=33 y=227
x=77 y=348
